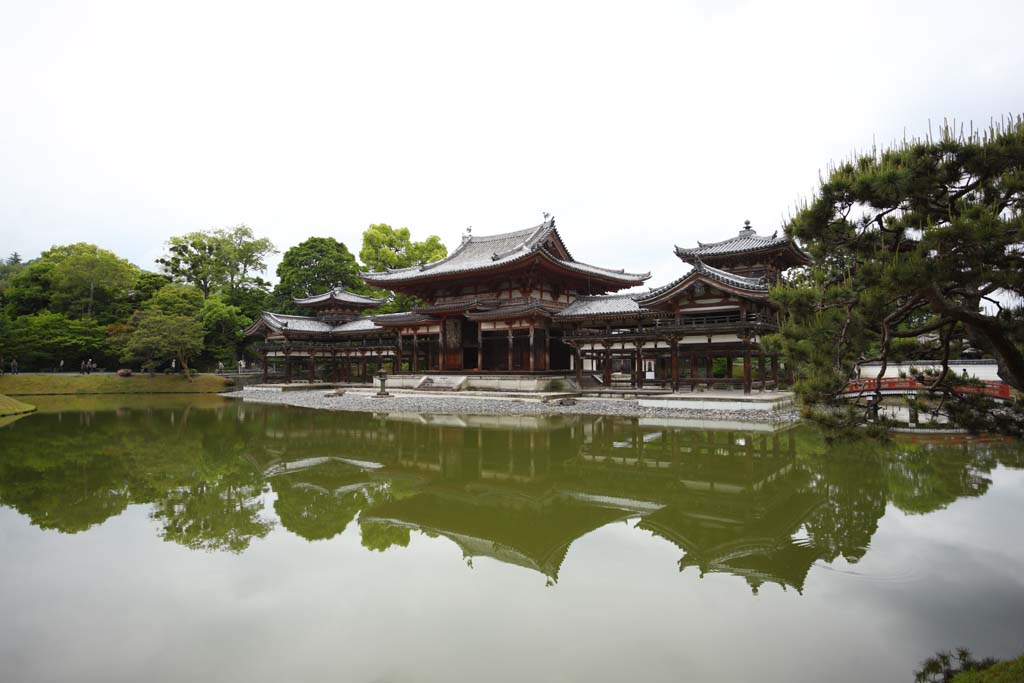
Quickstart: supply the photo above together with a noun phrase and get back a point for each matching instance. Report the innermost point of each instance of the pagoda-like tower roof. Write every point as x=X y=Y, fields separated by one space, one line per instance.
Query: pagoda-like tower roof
x=339 y=295
x=747 y=245
x=506 y=252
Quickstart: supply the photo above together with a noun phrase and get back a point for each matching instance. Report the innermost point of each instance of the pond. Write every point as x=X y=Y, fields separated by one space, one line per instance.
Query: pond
x=199 y=538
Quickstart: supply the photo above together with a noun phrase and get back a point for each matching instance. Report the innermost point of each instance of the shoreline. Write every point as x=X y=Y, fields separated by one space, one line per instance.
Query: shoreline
x=356 y=400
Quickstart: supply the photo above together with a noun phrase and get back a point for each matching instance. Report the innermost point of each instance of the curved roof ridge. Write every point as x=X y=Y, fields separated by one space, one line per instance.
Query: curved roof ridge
x=341 y=294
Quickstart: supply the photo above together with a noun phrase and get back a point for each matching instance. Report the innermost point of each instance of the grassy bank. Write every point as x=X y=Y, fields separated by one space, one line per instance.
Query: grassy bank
x=73 y=383
x=1011 y=671
x=10 y=406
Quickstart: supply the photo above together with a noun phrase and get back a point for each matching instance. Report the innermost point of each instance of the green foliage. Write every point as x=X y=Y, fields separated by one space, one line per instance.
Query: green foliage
x=314 y=266
x=222 y=326
x=223 y=260
x=1010 y=671
x=159 y=336
x=380 y=536
x=945 y=667
x=908 y=243
x=41 y=340
x=80 y=280
x=386 y=247
x=176 y=299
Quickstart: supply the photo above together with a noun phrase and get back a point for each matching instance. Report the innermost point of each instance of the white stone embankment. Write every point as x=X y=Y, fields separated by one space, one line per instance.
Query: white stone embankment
x=440 y=404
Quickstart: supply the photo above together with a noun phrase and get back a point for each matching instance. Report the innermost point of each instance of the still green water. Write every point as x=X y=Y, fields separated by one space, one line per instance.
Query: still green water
x=173 y=539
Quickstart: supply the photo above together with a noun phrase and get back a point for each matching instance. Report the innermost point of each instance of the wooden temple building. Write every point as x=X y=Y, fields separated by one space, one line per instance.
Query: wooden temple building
x=519 y=303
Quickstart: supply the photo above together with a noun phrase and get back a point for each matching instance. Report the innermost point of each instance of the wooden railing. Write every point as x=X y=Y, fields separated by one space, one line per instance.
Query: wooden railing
x=1000 y=390
x=683 y=326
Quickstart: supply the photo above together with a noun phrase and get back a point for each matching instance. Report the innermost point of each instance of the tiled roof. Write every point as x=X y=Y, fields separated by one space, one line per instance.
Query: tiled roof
x=750 y=284
x=612 y=304
x=339 y=294
x=748 y=241
x=356 y=325
x=508 y=311
x=279 y=322
x=402 y=318
x=487 y=252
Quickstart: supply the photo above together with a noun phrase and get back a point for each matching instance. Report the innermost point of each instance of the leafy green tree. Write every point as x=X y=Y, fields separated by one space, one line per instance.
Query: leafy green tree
x=314 y=266
x=222 y=260
x=385 y=247
x=80 y=280
x=41 y=340
x=147 y=285
x=86 y=268
x=158 y=336
x=919 y=239
x=176 y=299
x=222 y=327
x=14 y=259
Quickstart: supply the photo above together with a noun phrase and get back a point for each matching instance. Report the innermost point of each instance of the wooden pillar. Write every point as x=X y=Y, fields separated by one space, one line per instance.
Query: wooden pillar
x=334 y=365
x=510 y=348
x=266 y=370
x=547 y=348
x=639 y=366
x=400 y=353
x=760 y=368
x=479 y=347
x=577 y=359
x=710 y=360
x=533 y=351
x=442 y=344
x=675 y=363
x=728 y=366
x=606 y=373
x=415 y=353
x=693 y=365
x=362 y=368
x=312 y=366
x=288 y=367
x=775 y=370
x=746 y=371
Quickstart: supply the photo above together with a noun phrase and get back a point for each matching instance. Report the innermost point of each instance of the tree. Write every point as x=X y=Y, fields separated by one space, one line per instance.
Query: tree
x=41 y=340
x=923 y=238
x=158 y=336
x=14 y=259
x=385 y=247
x=80 y=280
x=85 y=268
x=222 y=330
x=225 y=260
x=176 y=299
x=314 y=266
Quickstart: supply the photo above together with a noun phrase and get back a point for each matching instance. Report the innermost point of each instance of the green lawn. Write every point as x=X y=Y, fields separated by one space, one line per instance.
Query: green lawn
x=108 y=383
x=10 y=406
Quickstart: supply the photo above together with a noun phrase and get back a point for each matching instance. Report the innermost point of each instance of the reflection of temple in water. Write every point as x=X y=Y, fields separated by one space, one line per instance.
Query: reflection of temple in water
x=763 y=506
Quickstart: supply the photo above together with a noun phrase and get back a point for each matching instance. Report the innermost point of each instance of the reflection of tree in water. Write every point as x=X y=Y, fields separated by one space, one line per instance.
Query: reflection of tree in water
x=318 y=502
x=70 y=471
x=381 y=536
x=731 y=500
x=853 y=501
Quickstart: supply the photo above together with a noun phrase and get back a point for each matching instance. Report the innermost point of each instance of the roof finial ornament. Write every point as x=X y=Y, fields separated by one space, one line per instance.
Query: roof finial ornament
x=468 y=234
x=747 y=231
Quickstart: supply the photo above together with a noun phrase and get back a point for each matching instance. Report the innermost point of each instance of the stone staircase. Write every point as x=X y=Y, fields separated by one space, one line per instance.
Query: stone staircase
x=442 y=383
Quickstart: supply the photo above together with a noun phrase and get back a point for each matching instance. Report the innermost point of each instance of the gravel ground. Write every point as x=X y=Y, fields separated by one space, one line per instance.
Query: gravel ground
x=362 y=401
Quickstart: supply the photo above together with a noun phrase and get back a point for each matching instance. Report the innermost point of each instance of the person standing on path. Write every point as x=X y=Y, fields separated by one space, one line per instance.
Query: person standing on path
x=14 y=366
x=61 y=365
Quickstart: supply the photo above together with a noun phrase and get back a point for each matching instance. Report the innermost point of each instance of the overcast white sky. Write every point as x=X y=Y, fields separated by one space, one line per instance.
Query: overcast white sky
x=638 y=125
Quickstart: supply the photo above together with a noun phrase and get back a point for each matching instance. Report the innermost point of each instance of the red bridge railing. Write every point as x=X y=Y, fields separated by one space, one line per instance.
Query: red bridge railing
x=999 y=390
